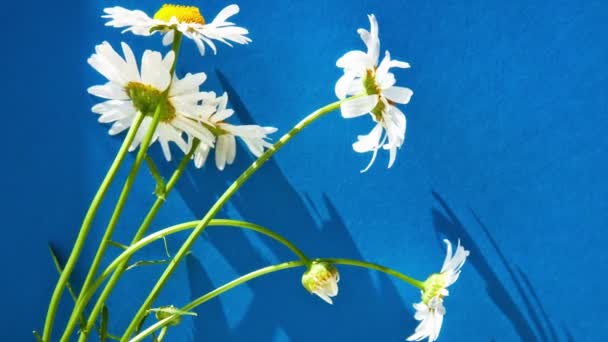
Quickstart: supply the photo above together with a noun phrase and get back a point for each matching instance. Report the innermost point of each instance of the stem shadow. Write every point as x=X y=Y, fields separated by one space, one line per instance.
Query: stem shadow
x=532 y=323
x=279 y=305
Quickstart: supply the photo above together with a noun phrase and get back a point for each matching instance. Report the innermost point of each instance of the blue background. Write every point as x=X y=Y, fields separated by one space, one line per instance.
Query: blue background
x=505 y=149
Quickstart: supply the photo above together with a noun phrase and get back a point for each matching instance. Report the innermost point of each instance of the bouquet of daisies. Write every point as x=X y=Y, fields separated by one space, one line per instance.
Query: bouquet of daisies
x=144 y=100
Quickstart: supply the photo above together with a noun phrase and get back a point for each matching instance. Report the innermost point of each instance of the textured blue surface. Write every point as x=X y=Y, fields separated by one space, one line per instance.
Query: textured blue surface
x=505 y=149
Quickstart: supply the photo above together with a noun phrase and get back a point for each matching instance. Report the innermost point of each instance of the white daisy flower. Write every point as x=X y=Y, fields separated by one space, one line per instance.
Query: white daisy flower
x=321 y=279
x=185 y=19
x=430 y=310
x=363 y=75
x=131 y=91
x=212 y=114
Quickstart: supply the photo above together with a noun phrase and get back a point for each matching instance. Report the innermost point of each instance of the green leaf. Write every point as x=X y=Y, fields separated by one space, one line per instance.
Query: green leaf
x=161 y=188
x=118 y=244
x=147 y=263
x=113 y=337
x=141 y=324
x=37 y=336
x=166 y=247
x=59 y=270
x=82 y=320
x=150 y=262
x=108 y=335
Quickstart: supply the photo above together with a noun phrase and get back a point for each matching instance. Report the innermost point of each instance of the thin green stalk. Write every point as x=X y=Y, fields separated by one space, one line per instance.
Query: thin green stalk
x=267 y=232
x=161 y=196
x=161 y=234
x=216 y=208
x=122 y=199
x=86 y=226
x=103 y=331
x=414 y=282
x=263 y=271
x=138 y=235
x=177 y=42
x=162 y=334
x=226 y=287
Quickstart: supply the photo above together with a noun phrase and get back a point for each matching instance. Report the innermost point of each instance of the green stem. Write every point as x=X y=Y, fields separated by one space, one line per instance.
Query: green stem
x=86 y=226
x=414 y=282
x=122 y=199
x=267 y=232
x=138 y=235
x=177 y=42
x=263 y=271
x=123 y=258
x=226 y=287
x=162 y=334
x=216 y=208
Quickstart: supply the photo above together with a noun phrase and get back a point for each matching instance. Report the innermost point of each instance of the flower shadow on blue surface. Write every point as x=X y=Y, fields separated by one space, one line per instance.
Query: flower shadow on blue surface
x=533 y=324
x=282 y=305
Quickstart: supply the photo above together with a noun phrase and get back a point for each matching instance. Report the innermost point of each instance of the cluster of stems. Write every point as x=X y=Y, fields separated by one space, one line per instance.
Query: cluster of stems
x=88 y=319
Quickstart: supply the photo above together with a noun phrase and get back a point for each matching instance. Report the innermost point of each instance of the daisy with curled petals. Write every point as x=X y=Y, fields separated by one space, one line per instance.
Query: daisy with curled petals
x=430 y=310
x=131 y=91
x=212 y=114
x=185 y=19
x=363 y=75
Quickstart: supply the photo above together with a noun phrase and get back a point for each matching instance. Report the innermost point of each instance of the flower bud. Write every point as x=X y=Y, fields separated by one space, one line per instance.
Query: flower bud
x=321 y=279
x=167 y=311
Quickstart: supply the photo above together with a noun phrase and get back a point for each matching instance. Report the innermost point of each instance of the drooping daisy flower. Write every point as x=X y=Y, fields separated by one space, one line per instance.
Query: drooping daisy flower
x=185 y=19
x=363 y=75
x=430 y=310
x=131 y=91
x=322 y=279
x=212 y=114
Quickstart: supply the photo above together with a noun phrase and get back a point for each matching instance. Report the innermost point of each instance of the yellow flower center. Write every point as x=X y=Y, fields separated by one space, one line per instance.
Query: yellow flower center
x=433 y=287
x=372 y=88
x=369 y=83
x=184 y=14
x=146 y=99
x=319 y=275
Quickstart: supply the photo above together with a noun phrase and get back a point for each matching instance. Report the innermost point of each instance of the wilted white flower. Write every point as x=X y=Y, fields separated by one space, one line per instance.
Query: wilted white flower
x=430 y=310
x=322 y=279
x=213 y=114
x=363 y=76
x=185 y=19
x=131 y=91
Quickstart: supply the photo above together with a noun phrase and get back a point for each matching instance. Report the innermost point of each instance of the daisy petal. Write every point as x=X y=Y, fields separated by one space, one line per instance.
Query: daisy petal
x=226 y=13
x=152 y=71
x=354 y=60
x=221 y=151
x=109 y=91
x=398 y=94
x=344 y=84
x=168 y=37
x=359 y=106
